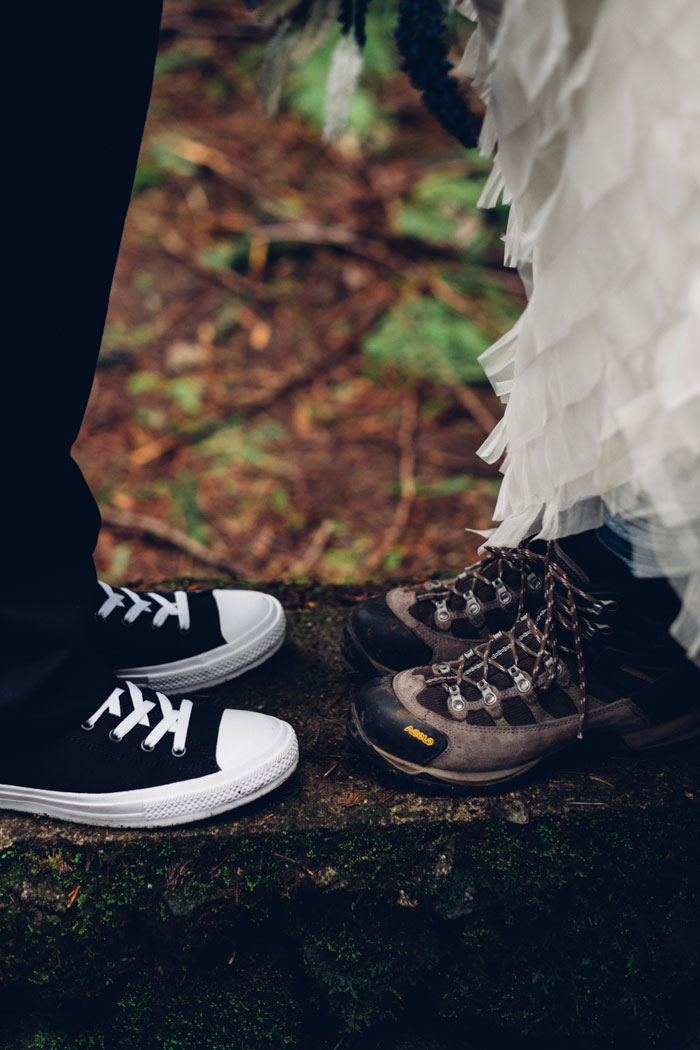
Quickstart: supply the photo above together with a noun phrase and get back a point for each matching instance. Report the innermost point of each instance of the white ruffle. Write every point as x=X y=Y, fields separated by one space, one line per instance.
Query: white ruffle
x=596 y=111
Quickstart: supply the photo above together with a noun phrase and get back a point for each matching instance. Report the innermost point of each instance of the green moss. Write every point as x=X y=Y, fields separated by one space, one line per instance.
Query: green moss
x=240 y=1010
x=50 y=1039
x=328 y=915
x=563 y=929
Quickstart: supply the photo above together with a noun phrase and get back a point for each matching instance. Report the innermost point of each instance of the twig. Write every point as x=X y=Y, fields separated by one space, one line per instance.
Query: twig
x=228 y=279
x=575 y=802
x=283 y=856
x=476 y=408
x=258 y=403
x=407 y=481
x=205 y=156
x=600 y=780
x=144 y=454
x=322 y=776
x=442 y=290
x=319 y=542
x=155 y=529
x=305 y=231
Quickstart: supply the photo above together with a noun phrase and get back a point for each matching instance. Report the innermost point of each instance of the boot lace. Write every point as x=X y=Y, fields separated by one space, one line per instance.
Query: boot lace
x=172 y=720
x=165 y=607
x=489 y=571
x=569 y=618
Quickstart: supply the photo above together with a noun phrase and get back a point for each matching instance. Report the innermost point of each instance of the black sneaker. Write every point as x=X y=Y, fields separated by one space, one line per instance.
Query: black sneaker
x=597 y=655
x=183 y=641
x=437 y=620
x=141 y=761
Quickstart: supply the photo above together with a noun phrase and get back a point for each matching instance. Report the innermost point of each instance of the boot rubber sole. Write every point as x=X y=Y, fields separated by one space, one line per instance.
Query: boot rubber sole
x=167 y=805
x=218 y=665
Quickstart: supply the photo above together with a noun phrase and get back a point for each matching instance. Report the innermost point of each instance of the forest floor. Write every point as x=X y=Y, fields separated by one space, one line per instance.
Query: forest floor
x=288 y=384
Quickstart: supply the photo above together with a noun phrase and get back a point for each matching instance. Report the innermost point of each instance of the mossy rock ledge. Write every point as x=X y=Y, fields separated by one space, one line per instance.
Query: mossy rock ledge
x=345 y=911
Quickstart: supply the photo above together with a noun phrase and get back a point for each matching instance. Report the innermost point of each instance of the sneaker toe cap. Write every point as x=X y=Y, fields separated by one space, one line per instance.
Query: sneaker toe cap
x=250 y=740
x=245 y=613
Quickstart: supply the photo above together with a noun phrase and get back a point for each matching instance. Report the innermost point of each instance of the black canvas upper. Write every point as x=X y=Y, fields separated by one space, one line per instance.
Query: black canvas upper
x=90 y=761
x=140 y=643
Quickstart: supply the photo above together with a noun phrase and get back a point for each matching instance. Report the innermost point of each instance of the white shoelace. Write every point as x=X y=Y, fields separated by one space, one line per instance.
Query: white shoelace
x=116 y=599
x=175 y=721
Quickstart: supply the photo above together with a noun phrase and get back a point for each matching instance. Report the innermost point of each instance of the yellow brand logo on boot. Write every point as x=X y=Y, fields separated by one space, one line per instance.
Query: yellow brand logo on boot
x=424 y=739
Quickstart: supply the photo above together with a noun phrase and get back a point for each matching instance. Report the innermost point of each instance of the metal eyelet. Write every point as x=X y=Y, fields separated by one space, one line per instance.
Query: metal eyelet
x=178 y=754
x=472 y=602
x=443 y=669
x=503 y=593
x=534 y=582
x=87 y=727
x=456 y=701
x=442 y=613
x=487 y=693
x=115 y=739
x=146 y=748
x=522 y=682
x=551 y=665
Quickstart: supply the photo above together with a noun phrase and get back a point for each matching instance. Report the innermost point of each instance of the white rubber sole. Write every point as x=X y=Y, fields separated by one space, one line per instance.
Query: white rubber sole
x=169 y=804
x=219 y=665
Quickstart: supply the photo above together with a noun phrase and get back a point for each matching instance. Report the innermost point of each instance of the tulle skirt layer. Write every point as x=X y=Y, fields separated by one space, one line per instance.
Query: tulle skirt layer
x=594 y=110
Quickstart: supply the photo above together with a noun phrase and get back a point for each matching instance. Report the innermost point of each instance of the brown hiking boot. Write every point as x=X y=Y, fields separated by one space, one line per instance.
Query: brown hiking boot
x=588 y=659
x=437 y=620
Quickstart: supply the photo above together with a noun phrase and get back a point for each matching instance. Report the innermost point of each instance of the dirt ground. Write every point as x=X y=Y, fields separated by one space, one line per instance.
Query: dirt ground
x=238 y=421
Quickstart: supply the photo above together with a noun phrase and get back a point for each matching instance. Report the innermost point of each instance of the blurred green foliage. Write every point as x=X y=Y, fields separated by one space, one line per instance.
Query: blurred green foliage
x=442 y=209
x=244 y=443
x=187 y=506
x=426 y=337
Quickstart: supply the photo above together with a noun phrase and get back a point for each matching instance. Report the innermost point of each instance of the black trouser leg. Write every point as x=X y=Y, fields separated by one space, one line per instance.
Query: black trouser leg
x=81 y=76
